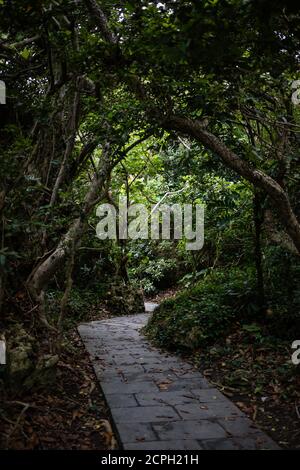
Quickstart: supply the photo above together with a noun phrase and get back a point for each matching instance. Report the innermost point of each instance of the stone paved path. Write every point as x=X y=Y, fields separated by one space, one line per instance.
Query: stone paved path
x=157 y=400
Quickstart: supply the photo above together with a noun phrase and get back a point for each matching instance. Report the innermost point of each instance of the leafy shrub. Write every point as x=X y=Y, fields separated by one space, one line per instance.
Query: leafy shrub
x=80 y=303
x=153 y=274
x=282 y=278
x=200 y=315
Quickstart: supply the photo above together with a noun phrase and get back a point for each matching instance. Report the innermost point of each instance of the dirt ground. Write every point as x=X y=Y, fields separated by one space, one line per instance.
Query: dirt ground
x=261 y=380
x=71 y=415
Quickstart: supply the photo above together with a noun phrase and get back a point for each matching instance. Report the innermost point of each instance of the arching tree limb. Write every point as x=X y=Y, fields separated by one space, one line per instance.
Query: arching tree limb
x=194 y=128
x=278 y=197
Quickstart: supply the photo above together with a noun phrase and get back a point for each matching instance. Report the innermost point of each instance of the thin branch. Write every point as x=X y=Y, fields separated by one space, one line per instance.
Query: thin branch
x=99 y=18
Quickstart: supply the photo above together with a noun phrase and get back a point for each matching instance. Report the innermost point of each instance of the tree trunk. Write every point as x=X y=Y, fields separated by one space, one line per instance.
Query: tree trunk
x=258 y=221
x=99 y=18
x=43 y=273
x=70 y=136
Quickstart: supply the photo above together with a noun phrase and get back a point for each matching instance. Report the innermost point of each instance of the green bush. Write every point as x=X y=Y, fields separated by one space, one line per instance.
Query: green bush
x=282 y=281
x=200 y=315
x=153 y=266
x=80 y=304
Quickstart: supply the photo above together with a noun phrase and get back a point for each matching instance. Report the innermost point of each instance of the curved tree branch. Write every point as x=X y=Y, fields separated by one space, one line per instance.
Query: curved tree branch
x=259 y=179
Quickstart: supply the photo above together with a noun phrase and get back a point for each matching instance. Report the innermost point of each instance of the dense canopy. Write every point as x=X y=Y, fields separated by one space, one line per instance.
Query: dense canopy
x=188 y=102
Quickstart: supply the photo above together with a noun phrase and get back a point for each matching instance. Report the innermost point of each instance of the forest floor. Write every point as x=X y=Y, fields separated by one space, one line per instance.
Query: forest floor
x=72 y=414
x=259 y=381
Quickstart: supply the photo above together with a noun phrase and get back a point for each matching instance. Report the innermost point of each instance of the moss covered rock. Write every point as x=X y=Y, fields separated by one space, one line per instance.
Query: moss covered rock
x=26 y=367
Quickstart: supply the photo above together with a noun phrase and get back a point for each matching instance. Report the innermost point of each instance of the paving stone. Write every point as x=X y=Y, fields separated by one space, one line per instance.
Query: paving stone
x=208 y=410
x=162 y=378
x=169 y=398
x=187 y=374
x=147 y=360
x=144 y=414
x=116 y=379
x=134 y=387
x=150 y=306
x=125 y=360
x=121 y=400
x=132 y=377
x=132 y=369
x=164 y=445
x=220 y=444
x=107 y=374
x=188 y=384
x=176 y=430
x=238 y=427
x=209 y=395
x=140 y=432
x=171 y=366
x=148 y=355
x=157 y=400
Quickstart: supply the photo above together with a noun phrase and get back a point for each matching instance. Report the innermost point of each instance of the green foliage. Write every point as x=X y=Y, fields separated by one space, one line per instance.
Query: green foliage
x=218 y=61
x=201 y=315
x=82 y=303
x=154 y=273
x=156 y=265
x=282 y=278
